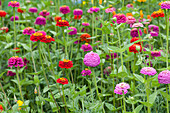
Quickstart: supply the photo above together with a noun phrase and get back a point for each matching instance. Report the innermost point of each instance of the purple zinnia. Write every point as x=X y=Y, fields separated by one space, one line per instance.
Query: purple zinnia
x=155 y=53
x=13 y=4
x=108 y=56
x=40 y=21
x=153 y=30
x=164 y=77
x=15 y=61
x=44 y=13
x=93 y=9
x=29 y=31
x=165 y=5
x=10 y=73
x=78 y=12
x=85 y=24
x=134 y=32
x=33 y=10
x=64 y=9
x=148 y=71
x=26 y=62
x=16 y=18
x=86 y=72
x=73 y=32
x=86 y=47
x=121 y=18
x=91 y=59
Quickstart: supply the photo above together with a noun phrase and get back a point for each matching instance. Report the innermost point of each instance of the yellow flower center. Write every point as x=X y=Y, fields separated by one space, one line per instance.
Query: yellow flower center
x=86 y=44
x=37 y=34
x=66 y=60
x=13 y=2
x=86 y=69
x=64 y=6
x=94 y=7
x=62 y=79
x=110 y=5
x=20 y=103
x=44 y=11
x=48 y=37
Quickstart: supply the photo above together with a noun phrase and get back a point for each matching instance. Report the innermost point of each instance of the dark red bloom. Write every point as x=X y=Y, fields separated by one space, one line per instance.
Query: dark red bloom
x=62 y=81
x=57 y=18
x=25 y=62
x=37 y=36
x=62 y=23
x=135 y=48
x=134 y=39
x=2 y=13
x=77 y=17
x=65 y=64
x=47 y=39
x=10 y=73
x=19 y=10
x=84 y=37
x=5 y=29
x=1 y=108
x=17 y=49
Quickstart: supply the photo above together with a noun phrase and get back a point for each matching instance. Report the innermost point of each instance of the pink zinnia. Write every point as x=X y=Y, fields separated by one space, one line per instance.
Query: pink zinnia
x=129 y=6
x=134 y=32
x=16 y=18
x=121 y=18
x=130 y=20
x=93 y=9
x=136 y=25
x=110 y=10
x=86 y=47
x=44 y=13
x=78 y=12
x=165 y=5
x=13 y=4
x=15 y=61
x=33 y=10
x=64 y=9
x=28 y=31
x=40 y=21
x=155 y=53
x=85 y=24
x=148 y=71
x=73 y=32
x=123 y=86
x=86 y=72
x=120 y=91
x=164 y=77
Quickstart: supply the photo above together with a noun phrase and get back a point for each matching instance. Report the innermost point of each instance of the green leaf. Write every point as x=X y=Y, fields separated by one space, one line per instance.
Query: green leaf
x=45 y=89
x=110 y=107
x=139 y=78
x=138 y=108
x=152 y=97
x=25 y=47
x=165 y=95
x=2 y=74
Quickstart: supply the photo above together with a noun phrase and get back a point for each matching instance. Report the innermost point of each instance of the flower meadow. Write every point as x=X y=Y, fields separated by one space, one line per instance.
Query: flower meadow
x=84 y=56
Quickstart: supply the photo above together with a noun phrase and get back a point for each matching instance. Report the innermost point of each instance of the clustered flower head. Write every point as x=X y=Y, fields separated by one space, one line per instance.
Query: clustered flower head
x=65 y=64
x=86 y=72
x=121 y=18
x=57 y=18
x=164 y=77
x=91 y=59
x=153 y=30
x=37 y=36
x=157 y=14
x=107 y=70
x=1 y=108
x=64 y=9
x=47 y=39
x=112 y=55
x=156 y=53
x=62 y=81
x=86 y=47
x=85 y=24
x=33 y=10
x=141 y=0
x=10 y=73
x=129 y=6
x=78 y=12
x=121 y=88
x=110 y=9
x=44 y=13
x=134 y=32
x=130 y=20
x=13 y=4
x=165 y=5
x=28 y=31
x=19 y=10
x=62 y=23
x=135 y=39
x=84 y=37
x=137 y=25
x=135 y=48
x=4 y=29
x=16 y=18
x=40 y=20
x=16 y=62
x=93 y=9
x=73 y=32
x=2 y=13
x=148 y=71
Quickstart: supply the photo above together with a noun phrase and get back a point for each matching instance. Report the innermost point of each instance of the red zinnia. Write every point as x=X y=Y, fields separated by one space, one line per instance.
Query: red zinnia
x=134 y=39
x=65 y=64
x=157 y=14
x=5 y=29
x=47 y=39
x=62 y=81
x=37 y=37
x=19 y=10
x=77 y=17
x=1 y=108
x=17 y=49
x=57 y=18
x=84 y=37
x=135 y=48
x=62 y=23
x=2 y=13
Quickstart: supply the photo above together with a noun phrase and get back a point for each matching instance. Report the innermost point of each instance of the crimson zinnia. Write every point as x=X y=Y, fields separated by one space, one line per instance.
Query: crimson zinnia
x=37 y=36
x=2 y=13
x=62 y=23
x=65 y=64
x=62 y=81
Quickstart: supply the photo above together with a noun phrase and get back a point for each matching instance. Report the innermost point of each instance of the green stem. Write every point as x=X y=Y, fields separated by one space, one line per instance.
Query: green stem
x=167 y=104
x=50 y=58
x=124 y=104
x=95 y=83
x=167 y=37
x=147 y=92
x=14 y=30
x=66 y=54
x=64 y=98
x=160 y=33
x=133 y=108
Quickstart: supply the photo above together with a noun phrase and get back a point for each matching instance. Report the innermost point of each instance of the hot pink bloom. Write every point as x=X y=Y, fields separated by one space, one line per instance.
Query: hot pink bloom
x=121 y=18
x=120 y=91
x=33 y=10
x=86 y=72
x=110 y=10
x=78 y=12
x=130 y=20
x=148 y=71
x=85 y=24
x=93 y=9
x=91 y=59
x=135 y=25
x=44 y=13
x=13 y=4
x=165 y=5
x=122 y=86
x=29 y=31
x=86 y=47
x=155 y=53
x=15 y=61
x=64 y=9
x=164 y=77
x=74 y=32
x=40 y=21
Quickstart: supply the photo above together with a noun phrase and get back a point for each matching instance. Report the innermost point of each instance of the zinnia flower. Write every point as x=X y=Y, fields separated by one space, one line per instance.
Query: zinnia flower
x=16 y=62
x=40 y=20
x=141 y=0
x=136 y=25
x=153 y=30
x=47 y=39
x=65 y=64
x=93 y=9
x=73 y=32
x=91 y=59
x=130 y=20
x=44 y=13
x=28 y=31
x=33 y=10
x=157 y=14
x=85 y=24
x=4 y=29
x=164 y=77
x=108 y=56
x=37 y=36
x=10 y=73
x=20 y=103
x=134 y=39
x=123 y=86
x=165 y=5
x=16 y=18
x=135 y=48
x=62 y=81
x=155 y=53
x=62 y=23
x=64 y=9
x=17 y=49
x=134 y=32
x=129 y=6
x=148 y=71
x=19 y=10
x=110 y=10
x=121 y=18
x=1 y=108
x=2 y=13
x=13 y=4
x=86 y=72
x=120 y=91
x=84 y=37
x=57 y=18
x=86 y=47
x=78 y=12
